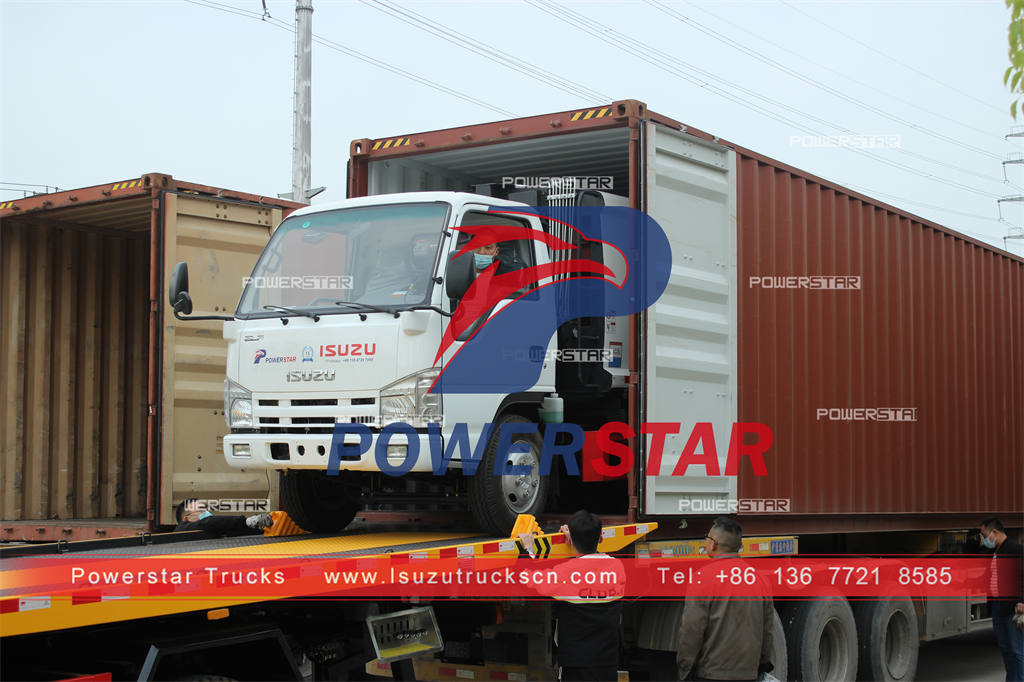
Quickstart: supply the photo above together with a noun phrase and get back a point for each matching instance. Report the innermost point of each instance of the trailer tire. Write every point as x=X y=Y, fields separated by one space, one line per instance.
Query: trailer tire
x=315 y=502
x=821 y=638
x=780 y=659
x=496 y=501
x=888 y=639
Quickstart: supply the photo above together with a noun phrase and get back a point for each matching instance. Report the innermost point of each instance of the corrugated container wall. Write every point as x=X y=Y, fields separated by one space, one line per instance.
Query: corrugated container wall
x=74 y=353
x=936 y=326
x=85 y=336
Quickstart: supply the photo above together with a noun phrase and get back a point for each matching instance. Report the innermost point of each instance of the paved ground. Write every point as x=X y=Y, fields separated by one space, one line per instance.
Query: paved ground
x=970 y=658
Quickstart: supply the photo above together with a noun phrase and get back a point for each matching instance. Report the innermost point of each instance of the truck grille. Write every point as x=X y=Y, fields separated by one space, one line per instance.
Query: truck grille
x=313 y=415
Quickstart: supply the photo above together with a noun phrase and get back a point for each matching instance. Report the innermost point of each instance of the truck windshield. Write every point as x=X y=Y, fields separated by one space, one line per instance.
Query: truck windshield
x=378 y=256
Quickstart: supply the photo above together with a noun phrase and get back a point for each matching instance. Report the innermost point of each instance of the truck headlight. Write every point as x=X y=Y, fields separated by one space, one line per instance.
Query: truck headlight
x=407 y=400
x=237 y=405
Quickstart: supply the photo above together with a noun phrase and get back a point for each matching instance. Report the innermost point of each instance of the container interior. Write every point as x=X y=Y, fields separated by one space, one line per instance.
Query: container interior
x=74 y=300
x=597 y=153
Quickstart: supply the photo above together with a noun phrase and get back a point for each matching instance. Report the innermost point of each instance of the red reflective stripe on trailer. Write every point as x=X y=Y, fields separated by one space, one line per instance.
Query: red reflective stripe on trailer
x=558 y=539
x=90 y=597
x=8 y=605
x=97 y=677
x=448 y=552
x=629 y=530
x=498 y=675
x=491 y=547
x=446 y=671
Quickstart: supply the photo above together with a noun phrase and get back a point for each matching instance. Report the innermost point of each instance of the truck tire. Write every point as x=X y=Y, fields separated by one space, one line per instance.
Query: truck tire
x=888 y=639
x=496 y=501
x=780 y=658
x=316 y=502
x=821 y=638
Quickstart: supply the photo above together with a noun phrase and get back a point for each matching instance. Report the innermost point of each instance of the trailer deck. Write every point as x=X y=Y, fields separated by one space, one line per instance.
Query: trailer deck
x=31 y=602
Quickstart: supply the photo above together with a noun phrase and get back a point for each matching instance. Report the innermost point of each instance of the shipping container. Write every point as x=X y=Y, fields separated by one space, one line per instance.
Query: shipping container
x=895 y=395
x=112 y=412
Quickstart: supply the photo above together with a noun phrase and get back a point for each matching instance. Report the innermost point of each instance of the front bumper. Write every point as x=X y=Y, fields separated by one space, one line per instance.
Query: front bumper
x=292 y=451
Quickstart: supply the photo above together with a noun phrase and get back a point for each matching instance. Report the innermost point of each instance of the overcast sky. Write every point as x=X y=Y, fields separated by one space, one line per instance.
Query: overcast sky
x=95 y=92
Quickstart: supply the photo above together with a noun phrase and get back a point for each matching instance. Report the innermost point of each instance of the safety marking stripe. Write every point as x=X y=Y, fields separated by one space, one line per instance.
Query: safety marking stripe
x=127 y=184
x=588 y=114
x=390 y=144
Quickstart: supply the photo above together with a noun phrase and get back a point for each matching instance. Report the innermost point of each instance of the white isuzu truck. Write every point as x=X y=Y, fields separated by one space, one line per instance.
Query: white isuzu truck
x=340 y=333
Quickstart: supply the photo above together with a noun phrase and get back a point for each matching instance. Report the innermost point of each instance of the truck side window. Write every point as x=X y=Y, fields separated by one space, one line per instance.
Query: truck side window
x=514 y=254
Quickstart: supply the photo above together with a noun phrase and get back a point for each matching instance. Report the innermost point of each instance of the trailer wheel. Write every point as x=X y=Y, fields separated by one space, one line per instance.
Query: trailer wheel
x=779 y=657
x=316 y=502
x=888 y=639
x=496 y=501
x=821 y=637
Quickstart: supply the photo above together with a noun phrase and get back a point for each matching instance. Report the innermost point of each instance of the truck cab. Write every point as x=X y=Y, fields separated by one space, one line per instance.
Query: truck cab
x=340 y=337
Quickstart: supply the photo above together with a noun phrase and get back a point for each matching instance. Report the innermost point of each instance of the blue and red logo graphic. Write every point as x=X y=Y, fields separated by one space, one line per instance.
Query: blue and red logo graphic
x=615 y=261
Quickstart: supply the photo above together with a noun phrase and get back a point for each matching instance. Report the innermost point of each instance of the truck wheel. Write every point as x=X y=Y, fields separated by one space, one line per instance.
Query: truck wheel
x=496 y=501
x=779 y=657
x=318 y=503
x=821 y=637
x=888 y=639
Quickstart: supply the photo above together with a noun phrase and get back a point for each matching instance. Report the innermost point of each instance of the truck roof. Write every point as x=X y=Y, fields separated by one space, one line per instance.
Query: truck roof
x=455 y=198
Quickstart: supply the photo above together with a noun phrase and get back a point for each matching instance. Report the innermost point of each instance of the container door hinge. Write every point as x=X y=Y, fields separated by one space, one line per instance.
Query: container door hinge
x=152 y=409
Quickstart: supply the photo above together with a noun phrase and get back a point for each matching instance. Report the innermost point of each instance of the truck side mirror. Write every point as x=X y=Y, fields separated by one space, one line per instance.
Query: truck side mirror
x=459 y=276
x=178 y=290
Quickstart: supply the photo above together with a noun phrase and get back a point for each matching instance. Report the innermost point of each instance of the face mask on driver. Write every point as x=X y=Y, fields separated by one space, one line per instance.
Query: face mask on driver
x=204 y=515
x=988 y=544
x=481 y=261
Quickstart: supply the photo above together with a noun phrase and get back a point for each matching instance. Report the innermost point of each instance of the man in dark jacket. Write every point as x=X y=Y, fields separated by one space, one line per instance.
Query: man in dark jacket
x=1006 y=585
x=723 y=637
x=191 y=515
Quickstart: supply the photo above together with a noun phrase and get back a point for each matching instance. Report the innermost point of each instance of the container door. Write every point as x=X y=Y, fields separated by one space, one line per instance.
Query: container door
x=221 y=241
x=689 y=367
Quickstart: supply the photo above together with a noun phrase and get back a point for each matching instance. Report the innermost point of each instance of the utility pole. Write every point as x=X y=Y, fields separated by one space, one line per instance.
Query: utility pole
x=303 y=80
x=1014 y=230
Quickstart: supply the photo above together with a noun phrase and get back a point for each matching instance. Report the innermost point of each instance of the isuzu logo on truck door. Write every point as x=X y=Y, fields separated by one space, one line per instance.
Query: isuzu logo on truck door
x=311 y=375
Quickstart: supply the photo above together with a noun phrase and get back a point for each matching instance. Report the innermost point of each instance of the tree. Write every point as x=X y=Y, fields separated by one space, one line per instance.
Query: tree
x=1015 y=72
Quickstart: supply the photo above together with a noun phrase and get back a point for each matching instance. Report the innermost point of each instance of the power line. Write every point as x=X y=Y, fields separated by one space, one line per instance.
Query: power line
x=657 y=4
x=503 y=58
x=338 y=47
x=841 y=74
x=630 y=45
x=889 y=57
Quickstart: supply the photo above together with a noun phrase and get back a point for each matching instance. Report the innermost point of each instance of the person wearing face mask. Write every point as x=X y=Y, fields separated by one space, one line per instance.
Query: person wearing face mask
x=1007 y=556
x=192 y=516
x=484 y=257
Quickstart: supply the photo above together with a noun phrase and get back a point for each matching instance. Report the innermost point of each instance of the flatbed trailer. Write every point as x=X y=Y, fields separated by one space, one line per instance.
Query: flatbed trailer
x=147 y=634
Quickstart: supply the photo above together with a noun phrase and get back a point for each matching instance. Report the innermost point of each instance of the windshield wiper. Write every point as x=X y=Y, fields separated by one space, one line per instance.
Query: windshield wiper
x=367 y=306
x=293 y=311
x=428 y=307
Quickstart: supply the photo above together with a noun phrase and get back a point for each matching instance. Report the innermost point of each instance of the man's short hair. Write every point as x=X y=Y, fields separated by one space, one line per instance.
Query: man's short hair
x=730 y=534
x=993 y=523
x=585 y=529
x=179 y=511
